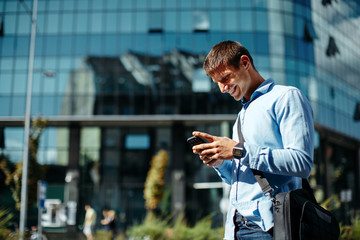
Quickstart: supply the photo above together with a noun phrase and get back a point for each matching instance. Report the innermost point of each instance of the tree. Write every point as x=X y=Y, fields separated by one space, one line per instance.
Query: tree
x=13 y=172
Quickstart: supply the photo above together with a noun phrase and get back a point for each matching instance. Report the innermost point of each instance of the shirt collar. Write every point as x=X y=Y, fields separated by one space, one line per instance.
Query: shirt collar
x=262 y=89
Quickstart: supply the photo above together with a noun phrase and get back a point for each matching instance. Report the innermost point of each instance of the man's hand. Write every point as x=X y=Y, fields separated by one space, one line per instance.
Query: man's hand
x=214 y=153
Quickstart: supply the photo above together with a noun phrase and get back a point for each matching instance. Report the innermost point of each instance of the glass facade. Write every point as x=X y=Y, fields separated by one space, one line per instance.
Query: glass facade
x=119 y=80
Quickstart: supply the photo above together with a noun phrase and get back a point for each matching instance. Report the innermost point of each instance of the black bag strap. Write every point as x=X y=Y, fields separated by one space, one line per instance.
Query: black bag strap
x=263 y=182
x=267 y=189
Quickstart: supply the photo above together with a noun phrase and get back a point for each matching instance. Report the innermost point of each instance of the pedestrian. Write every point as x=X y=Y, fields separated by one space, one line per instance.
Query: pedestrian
x=89 y=222
x=110 y=222
x=273 y=133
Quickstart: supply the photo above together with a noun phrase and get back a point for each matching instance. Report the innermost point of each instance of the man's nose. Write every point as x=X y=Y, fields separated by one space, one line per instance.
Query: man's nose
x=223 y=87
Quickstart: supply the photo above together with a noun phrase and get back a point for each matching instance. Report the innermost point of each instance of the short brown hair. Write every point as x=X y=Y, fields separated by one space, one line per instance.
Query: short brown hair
x=226 y=53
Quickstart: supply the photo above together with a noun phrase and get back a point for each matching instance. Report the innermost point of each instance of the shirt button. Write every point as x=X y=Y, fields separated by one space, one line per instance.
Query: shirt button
x=247 y=164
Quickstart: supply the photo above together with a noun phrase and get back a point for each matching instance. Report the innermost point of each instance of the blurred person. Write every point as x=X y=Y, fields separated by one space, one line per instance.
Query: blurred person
x=273 y=133
x=110 y=222
x=89 y=222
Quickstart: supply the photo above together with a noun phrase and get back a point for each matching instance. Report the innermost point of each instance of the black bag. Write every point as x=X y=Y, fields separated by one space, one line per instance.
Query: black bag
x=297 y=215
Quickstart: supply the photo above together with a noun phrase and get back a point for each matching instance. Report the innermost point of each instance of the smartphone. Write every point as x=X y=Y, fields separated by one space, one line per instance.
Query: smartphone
x=193 y=140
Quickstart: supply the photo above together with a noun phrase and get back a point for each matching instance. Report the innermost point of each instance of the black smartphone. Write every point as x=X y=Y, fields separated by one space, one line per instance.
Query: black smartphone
x=193 y=140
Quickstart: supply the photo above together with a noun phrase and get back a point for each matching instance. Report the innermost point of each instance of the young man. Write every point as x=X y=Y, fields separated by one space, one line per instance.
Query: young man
x=89 y=222
x=273 y=133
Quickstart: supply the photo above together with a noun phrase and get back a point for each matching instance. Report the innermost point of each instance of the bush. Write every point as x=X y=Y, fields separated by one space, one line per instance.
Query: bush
x=154 y=228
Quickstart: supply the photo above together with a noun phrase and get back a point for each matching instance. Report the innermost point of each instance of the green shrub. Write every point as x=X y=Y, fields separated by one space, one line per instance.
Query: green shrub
x=154 y=228
x=5 y=221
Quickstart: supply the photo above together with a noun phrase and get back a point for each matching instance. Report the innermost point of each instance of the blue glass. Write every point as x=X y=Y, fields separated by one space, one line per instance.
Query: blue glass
x=125 y=42
x=155 y=20
x=51 y=45
x=200 y=4
x=22 y=46
x=246 y=22
x=171 y=4
x=215 y=4
x=185 y=42
x=21 y=63
x=111 y=4
x=290 y=46
x=81 y=44
x=247 y=39
x=24 y=24
x=8 y=46
x=141 y=22
x=128 y=5
x=231 y=20
x=216 y=23
x=155 y=45
x=170 y=41
x=5 y=105
x=262 y=42
x=155 y=4
x=95 y=44
x=81 y=24
x=231 y=4
x=20 y=83
x=9 y=22
x=68 y=5
x=66 y=45
x=39 y=45
x=5 y=83
x=18 y=105
x=200 y=43
x=261 y=20
x=50 y=64
x=52 y=23
x=83 y=4
x=126 y=22
x=36 y=104
x=50 y=85
x=170 y=20
x=110 y=22
x=96 y=22
x=97 y=5
x=6 y=63
x=54 y=5
x=186 y=24
x=111 y=45
x=49 y=106
x=140 y=43
x=62 y=78
x=67 y=22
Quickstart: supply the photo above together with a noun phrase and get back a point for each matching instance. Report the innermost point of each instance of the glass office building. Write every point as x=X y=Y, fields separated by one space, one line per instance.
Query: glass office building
x=119 y=80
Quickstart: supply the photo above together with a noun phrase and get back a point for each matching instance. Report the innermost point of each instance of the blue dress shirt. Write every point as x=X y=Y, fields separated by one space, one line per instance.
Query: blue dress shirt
x=276 y=126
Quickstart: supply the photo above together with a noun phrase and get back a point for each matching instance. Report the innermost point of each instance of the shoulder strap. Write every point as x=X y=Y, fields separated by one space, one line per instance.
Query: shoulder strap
x=267 y=189
x=263 y=182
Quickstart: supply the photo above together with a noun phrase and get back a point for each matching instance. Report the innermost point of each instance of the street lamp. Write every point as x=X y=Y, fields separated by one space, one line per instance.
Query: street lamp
x=23 y=204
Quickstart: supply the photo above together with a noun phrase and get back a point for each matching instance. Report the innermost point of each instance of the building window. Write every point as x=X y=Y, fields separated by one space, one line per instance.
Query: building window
x=309 y=32
x=201 y=21
x=155 y=22
x=332 y=48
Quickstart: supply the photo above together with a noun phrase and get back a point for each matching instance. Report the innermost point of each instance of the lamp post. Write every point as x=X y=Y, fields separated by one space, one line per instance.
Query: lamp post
x=23 y=203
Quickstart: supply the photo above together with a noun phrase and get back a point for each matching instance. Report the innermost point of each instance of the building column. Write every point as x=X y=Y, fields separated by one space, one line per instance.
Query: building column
x=71 y=195
x=178 y=172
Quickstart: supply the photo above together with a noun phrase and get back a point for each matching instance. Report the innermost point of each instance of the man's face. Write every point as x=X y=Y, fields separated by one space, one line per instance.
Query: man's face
x=234 y=81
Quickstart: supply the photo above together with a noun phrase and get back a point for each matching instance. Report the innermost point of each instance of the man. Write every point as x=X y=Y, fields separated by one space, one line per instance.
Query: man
x=273 y=133
x=89 y=222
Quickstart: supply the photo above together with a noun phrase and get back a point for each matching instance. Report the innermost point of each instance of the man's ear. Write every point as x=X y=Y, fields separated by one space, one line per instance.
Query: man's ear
x=244 y=61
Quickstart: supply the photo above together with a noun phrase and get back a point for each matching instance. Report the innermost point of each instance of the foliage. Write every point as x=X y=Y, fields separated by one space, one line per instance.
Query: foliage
x=152 y=227
x=5 y=221
x=155 y=228
x=351 y=232
x=154 y=185
x=36 y=172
